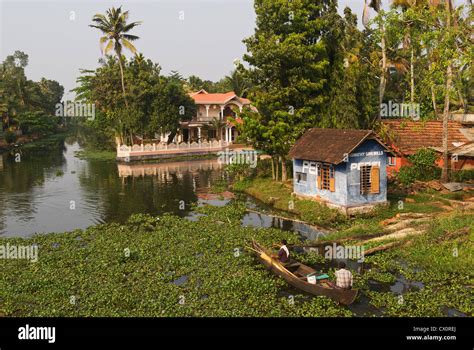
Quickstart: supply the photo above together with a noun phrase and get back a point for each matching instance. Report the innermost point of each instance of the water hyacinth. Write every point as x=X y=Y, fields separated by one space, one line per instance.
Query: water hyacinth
x=171 y=267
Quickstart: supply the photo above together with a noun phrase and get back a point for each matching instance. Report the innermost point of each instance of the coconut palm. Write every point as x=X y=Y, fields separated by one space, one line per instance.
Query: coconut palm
x=115 y=27
x=376 y=5
x=237 y=83
x=217 y=124
x=405 y=5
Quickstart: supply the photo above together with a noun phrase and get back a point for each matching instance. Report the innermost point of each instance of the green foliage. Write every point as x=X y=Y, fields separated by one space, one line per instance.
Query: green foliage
x=443 y=264
x=37 y=123
x=264 y=168
x=9 y=136
x=287 y=67
x=351 y=84
x=20 y=96
x=422 y=167
x=463 y=175
x=240 y=171
x=128 y=270
x=155 y=103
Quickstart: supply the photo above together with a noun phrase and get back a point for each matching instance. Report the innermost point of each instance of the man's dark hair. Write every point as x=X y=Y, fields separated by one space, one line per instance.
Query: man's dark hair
x=342 y=265
x=283 y=241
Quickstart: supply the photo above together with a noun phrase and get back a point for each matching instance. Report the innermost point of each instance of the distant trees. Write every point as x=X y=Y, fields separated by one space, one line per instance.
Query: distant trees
x=237 y=81
x=26 y=104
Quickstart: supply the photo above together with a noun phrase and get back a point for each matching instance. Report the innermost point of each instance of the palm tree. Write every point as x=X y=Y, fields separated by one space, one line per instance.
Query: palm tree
x=115 y=27
x=405 y=5
x=449 y=77
x=218 y=124
x=238 y=83
x=376 y=5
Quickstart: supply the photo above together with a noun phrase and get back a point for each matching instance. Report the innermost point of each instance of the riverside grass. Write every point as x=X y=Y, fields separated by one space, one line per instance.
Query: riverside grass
x=128 y=270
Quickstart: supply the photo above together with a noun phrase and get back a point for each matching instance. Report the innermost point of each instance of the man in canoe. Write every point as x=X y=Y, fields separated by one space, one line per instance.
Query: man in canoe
x=343 y=277
x=284 y=252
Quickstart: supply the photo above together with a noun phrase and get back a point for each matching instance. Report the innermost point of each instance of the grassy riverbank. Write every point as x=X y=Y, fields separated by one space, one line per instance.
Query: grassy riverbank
x=129 y=270
x=278 y=196
x=34 y=146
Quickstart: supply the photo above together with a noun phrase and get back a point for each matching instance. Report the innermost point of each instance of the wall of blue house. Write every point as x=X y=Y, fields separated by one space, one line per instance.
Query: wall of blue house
x=347 y=177
x=370 y=152
x=310 y=187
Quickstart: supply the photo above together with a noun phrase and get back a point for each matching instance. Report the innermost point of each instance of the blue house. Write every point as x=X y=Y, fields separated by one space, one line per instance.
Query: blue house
x=344 y=168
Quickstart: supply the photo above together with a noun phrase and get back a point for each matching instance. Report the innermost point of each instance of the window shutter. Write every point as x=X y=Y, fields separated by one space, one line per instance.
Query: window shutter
x=320 y=183
x=332 y=184
x=375 y=179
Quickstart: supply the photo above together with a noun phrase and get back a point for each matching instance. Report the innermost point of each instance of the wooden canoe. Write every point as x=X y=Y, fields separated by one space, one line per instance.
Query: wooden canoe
x=295 y=274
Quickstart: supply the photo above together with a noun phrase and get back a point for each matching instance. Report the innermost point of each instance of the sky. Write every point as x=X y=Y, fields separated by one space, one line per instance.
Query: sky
x=194 y=37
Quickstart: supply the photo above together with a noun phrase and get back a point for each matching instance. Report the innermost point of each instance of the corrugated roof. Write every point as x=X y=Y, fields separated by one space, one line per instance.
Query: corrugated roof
x=407 y=136
x=329 y=145
x=466 y=150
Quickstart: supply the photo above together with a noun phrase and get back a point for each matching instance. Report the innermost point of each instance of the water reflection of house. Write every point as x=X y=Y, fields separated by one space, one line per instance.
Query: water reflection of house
x=215 y=118
x=166 y=168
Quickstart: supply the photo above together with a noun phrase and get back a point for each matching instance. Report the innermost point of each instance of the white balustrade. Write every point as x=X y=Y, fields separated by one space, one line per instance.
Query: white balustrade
x=124 y=151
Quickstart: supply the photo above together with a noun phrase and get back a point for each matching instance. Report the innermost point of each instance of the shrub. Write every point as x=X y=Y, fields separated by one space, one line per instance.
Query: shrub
x=239 y=171
x=264 y=167
x=10 y=137
x=422 y=167
x=462 y=175
x=37 y=123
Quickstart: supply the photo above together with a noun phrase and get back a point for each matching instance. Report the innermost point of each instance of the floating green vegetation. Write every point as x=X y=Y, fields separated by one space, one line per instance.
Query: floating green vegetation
x=91 y=154
x=219 y=186
x=129 y=270
x=169 y=266
x=44 y=144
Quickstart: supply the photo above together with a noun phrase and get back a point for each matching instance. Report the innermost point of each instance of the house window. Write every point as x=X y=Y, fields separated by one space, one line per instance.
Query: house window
x=301 y=177
x=365 y=179
x=392 y=161
x=326 y=179
x=369 y=179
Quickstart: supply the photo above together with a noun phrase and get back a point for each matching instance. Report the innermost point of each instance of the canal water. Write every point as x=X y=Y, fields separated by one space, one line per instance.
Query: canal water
x=58 y=192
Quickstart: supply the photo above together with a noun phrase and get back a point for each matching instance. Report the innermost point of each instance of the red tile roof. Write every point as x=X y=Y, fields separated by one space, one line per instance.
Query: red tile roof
x=407 y=136
x=203 y=97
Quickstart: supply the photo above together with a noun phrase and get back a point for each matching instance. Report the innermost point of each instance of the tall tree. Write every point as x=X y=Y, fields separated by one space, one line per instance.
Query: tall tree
x=376 y=5
x=115 y=27
x=288 y=65
x=449 y=77
x=350 y=85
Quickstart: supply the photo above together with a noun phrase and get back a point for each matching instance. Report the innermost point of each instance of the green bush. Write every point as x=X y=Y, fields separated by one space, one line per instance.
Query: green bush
x=264 y=167
x=462 y=175
x=240 y=171
x=38 y=123
x=422 y=168
x=9 y=136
